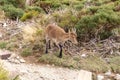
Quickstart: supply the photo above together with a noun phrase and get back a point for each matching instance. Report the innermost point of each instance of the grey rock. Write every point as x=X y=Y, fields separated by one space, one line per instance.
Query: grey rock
x=14 y=61
x=5 y=25
x=4 y=54
x=117 y=76
x=100 y=77
x=1 y=35
x=22 y=60
x=85 y=75
x=109 y=73
x=83 y=56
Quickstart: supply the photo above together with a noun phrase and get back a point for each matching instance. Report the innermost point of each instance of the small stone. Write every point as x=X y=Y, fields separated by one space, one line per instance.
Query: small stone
x=22 y=60
x=85 y=75
x=20 y=46
x=16 y=61
x=5 y=25
x=53 y=65
x=13 y=60
x=4 y=55
x=117 y=76
x=107 y=60
x=83 y=55
x=108 y=73
x=22 y=71
x=12 y=56
x=18 y=57
x=47 y=65
x=100 y=77
x=1 y=35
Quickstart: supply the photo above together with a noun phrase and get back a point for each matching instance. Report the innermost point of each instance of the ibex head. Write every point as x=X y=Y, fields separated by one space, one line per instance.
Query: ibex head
x=73 y=36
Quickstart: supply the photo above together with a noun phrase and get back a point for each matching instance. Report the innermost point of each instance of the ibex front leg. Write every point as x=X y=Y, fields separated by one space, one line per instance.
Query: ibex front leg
x=60 y=47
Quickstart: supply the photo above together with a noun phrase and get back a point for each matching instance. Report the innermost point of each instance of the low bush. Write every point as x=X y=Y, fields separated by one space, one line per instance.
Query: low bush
x=3 y=73
x=115 y=64
x=12 y=12
x=34 y=8
x=3 y=44
x=26 y=52
x=100 y=24
x=29 y=15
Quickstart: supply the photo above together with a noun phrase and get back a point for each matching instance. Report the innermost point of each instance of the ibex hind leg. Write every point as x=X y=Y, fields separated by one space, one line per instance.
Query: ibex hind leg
x=47 y=46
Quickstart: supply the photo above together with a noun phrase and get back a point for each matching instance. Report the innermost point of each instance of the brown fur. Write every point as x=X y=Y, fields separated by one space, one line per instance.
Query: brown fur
x=58 y=36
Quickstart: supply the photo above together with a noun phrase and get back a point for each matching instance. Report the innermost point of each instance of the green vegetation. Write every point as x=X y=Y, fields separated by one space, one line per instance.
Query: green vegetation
x=3 y=73
x=92 y=19
x=26 y=52
x=91 y=63
x=3 y=44
x=12 y=8
x=29 y=15
x=12 y=12
x=53 y=59
x=115 y=64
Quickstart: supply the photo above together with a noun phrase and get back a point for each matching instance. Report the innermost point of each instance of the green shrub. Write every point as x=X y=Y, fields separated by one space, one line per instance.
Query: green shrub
x=3 y=73
x=79 y=6
x=12 y=12
x=99 y=24
x=26 y=52
x=15 y=3
x=34 y=8
x=3 y=45
x=115 y=64
x=29 y=15
x=66 y=20
x=2 y=2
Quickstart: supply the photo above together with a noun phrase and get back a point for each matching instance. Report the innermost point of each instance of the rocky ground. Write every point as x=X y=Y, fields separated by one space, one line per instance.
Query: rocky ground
x=17 y=66
x=30 y=71
x=39 y=72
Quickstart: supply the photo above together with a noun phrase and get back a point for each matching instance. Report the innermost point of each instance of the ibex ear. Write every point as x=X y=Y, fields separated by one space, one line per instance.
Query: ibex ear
x=69 y=31
x=74 y=30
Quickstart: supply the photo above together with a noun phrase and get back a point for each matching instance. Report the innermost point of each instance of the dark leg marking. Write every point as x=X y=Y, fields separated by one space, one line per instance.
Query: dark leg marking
x=49 y=44
x=46 y=51
x=60 y=54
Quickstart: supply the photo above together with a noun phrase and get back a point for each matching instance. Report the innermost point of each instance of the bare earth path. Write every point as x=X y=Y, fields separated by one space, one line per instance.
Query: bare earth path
x=40 y=72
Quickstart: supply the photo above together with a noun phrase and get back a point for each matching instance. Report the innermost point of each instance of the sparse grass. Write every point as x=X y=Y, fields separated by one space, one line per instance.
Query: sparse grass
x=3 y=74
x=94 y=63
x=16 y=78
x=26 y=52
x=3 y=44
x=66 y=61
x=91 y=63
x=115 y=64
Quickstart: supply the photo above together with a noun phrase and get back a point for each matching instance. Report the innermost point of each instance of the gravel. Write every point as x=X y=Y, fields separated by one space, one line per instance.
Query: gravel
x=39 y=72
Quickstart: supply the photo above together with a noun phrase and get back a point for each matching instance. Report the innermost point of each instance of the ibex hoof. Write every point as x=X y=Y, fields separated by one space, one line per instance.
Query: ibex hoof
x=60 y=56
x=46 y=52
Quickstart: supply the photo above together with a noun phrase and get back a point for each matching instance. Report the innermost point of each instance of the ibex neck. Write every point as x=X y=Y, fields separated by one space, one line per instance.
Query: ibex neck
x=66 y=36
